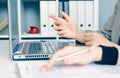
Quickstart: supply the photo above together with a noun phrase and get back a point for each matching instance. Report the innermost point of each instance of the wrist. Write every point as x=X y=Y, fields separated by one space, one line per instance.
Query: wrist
x=98 y=54
x=80 y=35
x=112 y=44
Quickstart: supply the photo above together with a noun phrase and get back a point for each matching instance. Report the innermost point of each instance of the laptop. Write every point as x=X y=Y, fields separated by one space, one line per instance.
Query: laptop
x=35 y=50
x=40 y=49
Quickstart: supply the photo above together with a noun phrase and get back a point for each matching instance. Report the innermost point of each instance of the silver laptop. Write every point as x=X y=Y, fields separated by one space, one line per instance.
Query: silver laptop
x=36 y=50
x=30 y=50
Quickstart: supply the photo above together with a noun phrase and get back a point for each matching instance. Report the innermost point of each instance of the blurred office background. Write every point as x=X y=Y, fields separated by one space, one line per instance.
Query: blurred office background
x=106 y=8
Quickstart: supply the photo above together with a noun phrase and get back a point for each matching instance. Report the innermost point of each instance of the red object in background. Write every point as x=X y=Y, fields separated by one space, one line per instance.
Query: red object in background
x=34 y=30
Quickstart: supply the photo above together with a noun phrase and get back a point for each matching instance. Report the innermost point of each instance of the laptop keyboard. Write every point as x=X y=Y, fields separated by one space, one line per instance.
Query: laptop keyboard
x=34 y=48
x=45 y=47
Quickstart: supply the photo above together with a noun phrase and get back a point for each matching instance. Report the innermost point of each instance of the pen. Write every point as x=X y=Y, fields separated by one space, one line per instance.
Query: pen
x=76 y=53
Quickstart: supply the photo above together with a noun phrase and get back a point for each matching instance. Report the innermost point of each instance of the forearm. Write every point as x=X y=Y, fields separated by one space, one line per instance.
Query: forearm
x=111 y=44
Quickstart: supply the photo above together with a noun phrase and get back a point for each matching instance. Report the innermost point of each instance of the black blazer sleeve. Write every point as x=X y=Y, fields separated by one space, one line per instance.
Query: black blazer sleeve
x=109 y=55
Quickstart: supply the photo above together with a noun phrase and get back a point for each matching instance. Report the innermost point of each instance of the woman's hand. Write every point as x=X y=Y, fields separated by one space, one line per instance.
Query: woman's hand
x=67 y=28
x=81 y=59
x=64 y=27
x=96 y=39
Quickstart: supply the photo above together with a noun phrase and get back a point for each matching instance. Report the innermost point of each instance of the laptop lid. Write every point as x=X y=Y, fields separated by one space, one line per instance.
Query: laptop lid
x=13 y=25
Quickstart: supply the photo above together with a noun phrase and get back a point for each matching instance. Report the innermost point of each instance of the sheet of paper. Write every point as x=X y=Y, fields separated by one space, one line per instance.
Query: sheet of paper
x=31 y=69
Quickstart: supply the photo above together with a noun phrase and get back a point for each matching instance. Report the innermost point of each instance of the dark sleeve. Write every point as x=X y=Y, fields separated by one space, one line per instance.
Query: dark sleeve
x=108 y=26
x=109 y=55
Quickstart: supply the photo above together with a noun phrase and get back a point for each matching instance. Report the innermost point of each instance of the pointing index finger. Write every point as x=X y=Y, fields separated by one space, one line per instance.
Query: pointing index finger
x=67 y=18
x=55 y=17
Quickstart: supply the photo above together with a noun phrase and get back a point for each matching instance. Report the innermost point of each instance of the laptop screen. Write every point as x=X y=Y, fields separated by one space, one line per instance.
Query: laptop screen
x=13 y=24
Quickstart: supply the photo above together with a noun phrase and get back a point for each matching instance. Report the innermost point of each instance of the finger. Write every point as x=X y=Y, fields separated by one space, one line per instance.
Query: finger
x=62 y=52
x=50 y=63
x=67 y=18
x=87 y=38
x=61 y=33
x=65 y=51
x=59 y=28
x=54 y=58
x=44 y=68
x=55 y=17
x=58 y=23
x=88 y=43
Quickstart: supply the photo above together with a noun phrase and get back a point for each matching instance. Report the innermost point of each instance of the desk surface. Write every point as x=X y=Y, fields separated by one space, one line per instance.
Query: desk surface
x=8 y=68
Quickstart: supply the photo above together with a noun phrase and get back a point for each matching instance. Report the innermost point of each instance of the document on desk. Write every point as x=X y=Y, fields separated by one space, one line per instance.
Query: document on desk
x=31 y=69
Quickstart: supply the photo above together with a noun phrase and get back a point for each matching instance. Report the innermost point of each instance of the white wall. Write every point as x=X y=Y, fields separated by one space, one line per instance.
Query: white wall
x=106 y=8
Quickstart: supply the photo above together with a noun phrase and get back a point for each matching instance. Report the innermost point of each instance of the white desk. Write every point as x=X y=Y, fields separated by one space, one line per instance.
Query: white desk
x=8 y=68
